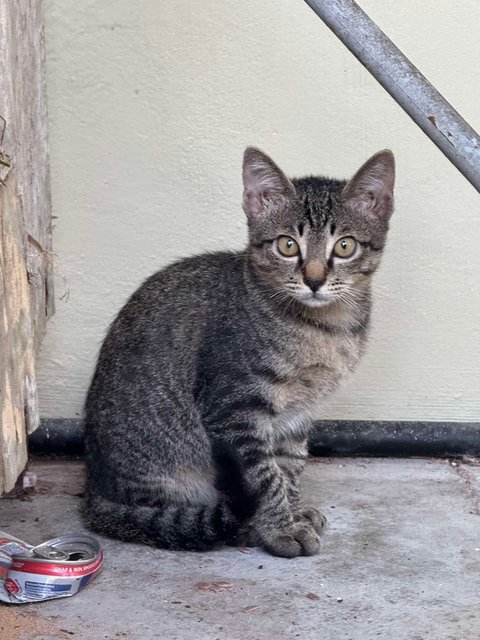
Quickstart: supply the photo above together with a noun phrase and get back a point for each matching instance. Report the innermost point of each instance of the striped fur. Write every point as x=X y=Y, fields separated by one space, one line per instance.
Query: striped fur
x=209 y=378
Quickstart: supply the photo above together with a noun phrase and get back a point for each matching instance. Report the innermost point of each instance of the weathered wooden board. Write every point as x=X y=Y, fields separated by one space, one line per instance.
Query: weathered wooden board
x=25 y=232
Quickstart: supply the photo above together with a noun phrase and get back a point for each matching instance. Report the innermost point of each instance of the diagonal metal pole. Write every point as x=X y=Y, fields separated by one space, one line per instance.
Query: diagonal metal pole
x=404 y=82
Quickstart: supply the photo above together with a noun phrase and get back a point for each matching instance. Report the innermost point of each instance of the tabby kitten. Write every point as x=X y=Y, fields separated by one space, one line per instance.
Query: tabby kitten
x=211 y=375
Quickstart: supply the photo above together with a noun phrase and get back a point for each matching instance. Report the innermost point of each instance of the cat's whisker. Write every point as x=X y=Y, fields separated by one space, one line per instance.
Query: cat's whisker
x=355 y=291
x=281 y=295
x=348 y=302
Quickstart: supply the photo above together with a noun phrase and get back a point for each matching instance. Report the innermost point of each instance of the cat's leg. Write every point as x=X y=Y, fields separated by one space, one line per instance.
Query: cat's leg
x=291 y=456
x=162 y=488
x=274 y=521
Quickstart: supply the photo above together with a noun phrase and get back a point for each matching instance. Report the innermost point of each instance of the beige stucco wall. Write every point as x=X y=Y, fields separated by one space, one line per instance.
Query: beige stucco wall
x=151 y=105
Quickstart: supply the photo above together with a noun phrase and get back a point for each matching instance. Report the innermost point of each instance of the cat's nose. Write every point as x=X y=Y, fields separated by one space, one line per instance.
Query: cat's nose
x=314 y=274
x=314 y=283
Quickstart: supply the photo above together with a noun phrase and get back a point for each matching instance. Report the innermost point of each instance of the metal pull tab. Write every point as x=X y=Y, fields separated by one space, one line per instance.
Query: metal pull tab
x=49 y=553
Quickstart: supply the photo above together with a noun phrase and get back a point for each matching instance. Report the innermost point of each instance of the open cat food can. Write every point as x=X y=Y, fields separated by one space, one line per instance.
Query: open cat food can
x=58 y=568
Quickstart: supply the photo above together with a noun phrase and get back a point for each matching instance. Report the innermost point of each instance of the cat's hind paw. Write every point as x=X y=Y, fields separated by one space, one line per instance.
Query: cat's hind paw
x=300 y=539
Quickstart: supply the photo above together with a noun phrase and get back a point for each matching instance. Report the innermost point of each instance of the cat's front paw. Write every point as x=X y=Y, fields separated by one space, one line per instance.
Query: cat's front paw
x=300 y=539
x=313 y=516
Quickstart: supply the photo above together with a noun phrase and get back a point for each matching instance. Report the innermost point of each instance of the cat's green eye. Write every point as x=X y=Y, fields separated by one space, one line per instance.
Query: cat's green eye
x=288 y=246
x=345 y=247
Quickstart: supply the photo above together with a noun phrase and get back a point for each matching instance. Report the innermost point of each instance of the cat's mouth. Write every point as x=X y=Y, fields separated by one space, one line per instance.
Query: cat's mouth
x=314 y=299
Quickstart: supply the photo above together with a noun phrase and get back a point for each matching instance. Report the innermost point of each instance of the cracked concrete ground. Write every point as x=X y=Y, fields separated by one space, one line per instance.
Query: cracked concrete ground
x=400 y=559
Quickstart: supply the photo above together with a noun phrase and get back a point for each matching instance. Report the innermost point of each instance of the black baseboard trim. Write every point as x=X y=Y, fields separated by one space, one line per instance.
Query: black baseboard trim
x=405 y=439
x=57 y=436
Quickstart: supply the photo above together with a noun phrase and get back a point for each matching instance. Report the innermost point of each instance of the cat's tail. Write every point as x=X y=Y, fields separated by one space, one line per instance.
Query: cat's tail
x=188 y=527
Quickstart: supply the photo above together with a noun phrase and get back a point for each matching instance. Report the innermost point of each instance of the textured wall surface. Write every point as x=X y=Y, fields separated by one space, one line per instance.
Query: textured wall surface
x=151 y=104
x=25 y=266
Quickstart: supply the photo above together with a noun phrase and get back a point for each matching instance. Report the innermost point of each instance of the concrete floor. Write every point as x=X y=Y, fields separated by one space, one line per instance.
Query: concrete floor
x=400 y=559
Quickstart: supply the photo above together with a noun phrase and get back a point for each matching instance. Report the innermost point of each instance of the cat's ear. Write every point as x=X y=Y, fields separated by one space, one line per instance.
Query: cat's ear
x=371 y=188
x=265 y=186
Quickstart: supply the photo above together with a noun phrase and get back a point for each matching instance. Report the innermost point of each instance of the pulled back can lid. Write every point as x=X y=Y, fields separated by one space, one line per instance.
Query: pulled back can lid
x=69 y=549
